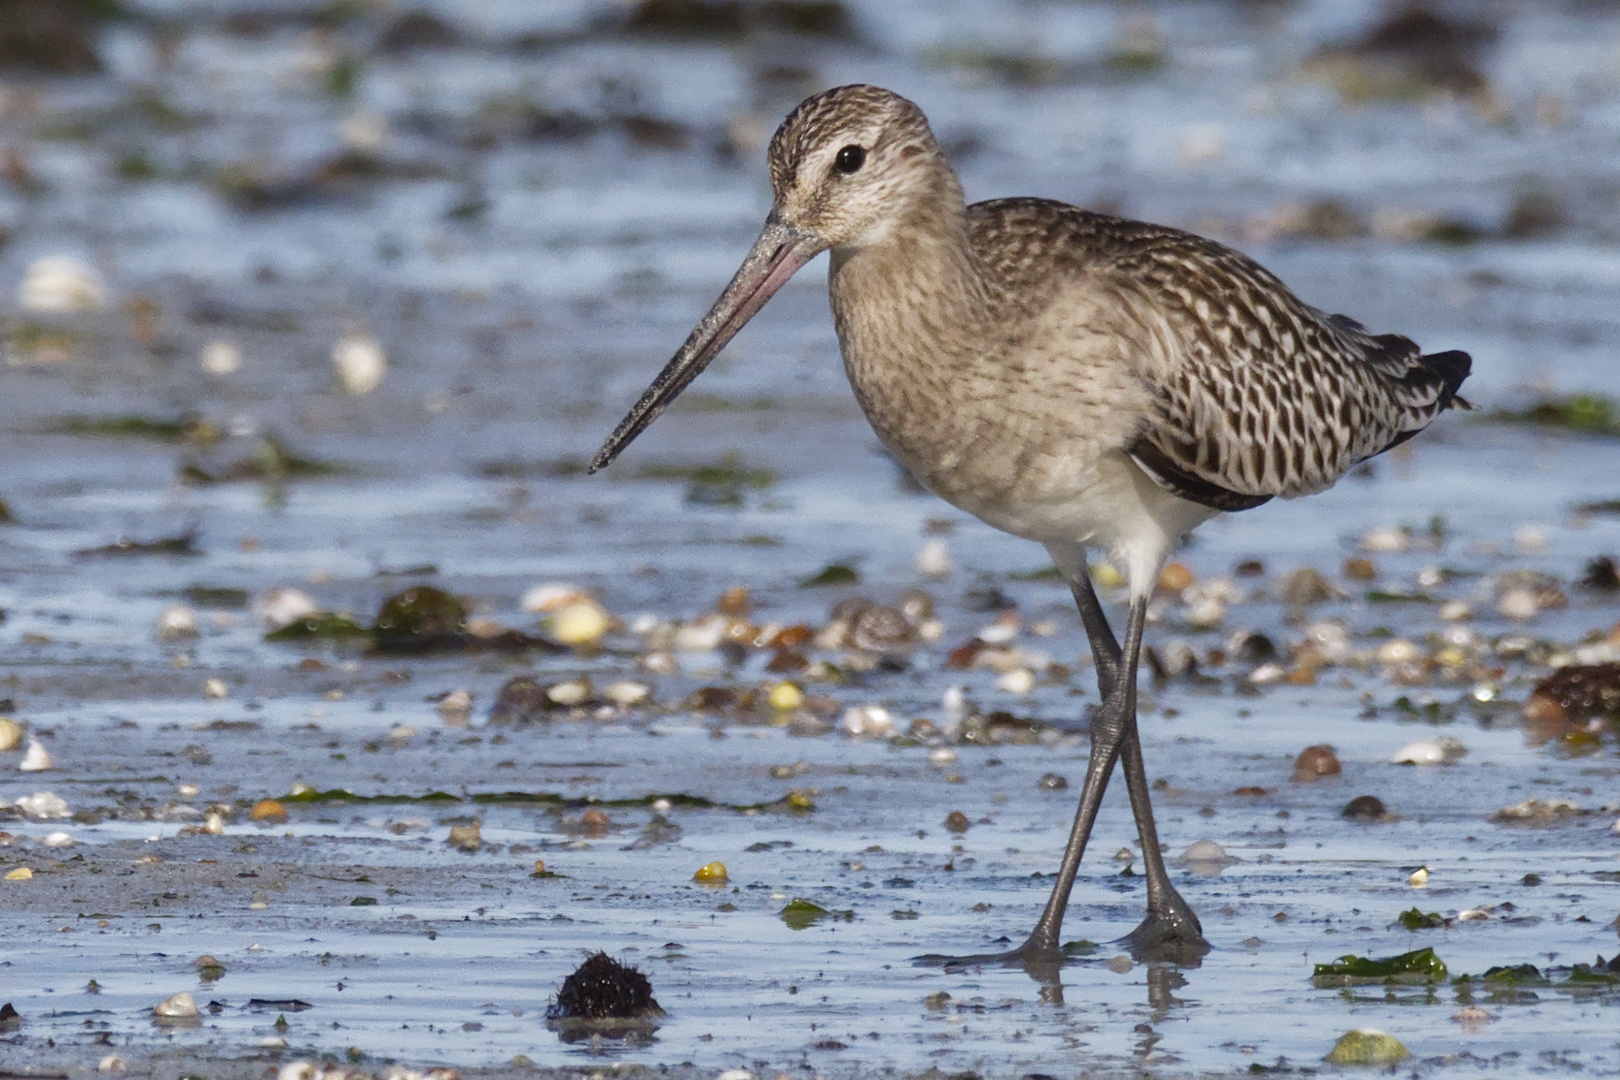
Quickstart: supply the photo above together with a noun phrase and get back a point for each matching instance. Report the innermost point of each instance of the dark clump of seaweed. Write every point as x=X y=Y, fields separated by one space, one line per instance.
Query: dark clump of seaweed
x=182 y=546
x=603 y=998
x=723 y=483
x=422 y=619
x=735 y=19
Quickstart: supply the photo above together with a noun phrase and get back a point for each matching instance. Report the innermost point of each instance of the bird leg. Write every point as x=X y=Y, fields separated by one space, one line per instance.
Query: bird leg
x=1171 y=931
x=1111 y=725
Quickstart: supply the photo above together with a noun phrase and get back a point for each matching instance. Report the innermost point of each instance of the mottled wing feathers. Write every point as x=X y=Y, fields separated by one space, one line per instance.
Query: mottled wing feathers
x=1258 y=393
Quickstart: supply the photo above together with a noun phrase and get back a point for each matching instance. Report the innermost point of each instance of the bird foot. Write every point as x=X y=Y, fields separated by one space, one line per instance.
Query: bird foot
x=1169 y=937
x=1033 y=956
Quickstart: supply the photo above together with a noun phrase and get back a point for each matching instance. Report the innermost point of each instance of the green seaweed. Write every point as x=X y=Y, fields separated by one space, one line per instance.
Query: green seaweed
x=723 y=483
x=178 y=429
x=1413 y=919
x=321 y=626
x=422 y=617
x=831 y=574
x=1418 y=966
x=802 y=914
x=1590 y=414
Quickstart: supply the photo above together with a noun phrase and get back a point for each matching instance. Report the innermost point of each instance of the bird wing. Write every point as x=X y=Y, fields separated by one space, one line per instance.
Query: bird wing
x=1258 y=394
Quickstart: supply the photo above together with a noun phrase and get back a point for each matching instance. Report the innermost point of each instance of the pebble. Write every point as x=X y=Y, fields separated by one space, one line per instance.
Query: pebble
x=359 y=361
x=61 y=284
x=942 y=756
x=1419 y=878
x=934 y=560
x=871 y=720
x=1206 y=857
x=111 y=1063
x=1367 y=1046
x=466 y=837
x=215 y=689
x=214 y=824
x=1454 y=611
x=1517 y=603
x=220 y=358
x=181 y=1006
x=36 y=758
x=269 y=812
x=1442 y=751
x=957 y=822
x=456 y=708
x=1175 y=577
x=11 y=734
x=1052 y=782
x=1399 y=651
x=57 y=839
x=1364 y=807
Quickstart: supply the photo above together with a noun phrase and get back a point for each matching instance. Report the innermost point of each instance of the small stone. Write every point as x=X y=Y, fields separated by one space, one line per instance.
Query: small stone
x=626 y=694
x=941 y=756
x=1517 y=603
x=571 y=692
x=215 y=689
x=466 y=837
x=57 y=839
x=269 y=812
x=580 y=623
x=181 y=1006
x=1358 y=569
x=283 y=607
x=1385 y=539
x=36 y=758
x=711 y=874
x=111 y=1063
x=1454 y=611
x=11 y=734
x=1019 y=680
x=1175 y=577
x=1419 y=878
x=1315 y=762
x=360 y=362
x=1205 y=857
x=1399 y=651
x=1367 y=1046
x=1364 y=808
x=455 y=708
x=1052 y=782
x=43 y=805
x=957 y=822
x=214 y=824
x=786 y=696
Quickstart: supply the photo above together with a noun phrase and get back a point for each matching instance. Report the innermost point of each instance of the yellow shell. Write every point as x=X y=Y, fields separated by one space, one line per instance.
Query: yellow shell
x=712 y=874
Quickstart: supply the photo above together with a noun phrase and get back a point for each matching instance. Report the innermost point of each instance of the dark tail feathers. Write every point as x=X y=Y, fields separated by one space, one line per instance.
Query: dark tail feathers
x=1451 y=368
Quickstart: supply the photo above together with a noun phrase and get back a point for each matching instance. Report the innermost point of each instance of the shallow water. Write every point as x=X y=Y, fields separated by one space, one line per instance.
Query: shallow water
x=526 y=287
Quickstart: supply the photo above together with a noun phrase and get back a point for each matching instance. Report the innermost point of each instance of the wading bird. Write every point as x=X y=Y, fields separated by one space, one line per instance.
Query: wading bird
x=1083 y=381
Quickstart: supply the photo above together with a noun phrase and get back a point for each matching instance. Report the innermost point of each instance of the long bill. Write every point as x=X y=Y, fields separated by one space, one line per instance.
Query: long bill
x=778 y=253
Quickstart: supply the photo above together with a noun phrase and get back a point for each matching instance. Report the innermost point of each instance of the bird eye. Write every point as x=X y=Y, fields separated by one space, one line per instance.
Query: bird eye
x=849 y=159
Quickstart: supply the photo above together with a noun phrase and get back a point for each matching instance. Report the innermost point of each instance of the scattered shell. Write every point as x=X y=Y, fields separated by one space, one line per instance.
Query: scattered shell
x=57 y=839
x=571 y=692
x=11 y=734
x=176 y=623
x=1442 y=751
x=466 y=837
x=941 y=756
x=37 y=758
x=711 y=874
x=1399 y=651
x=1538 y=811
x=216 y=689
x=283 y=607
x=871 y=720
x=455 y=708
x=43 y=805
x=1454 y=611
x=582 y=622
x=22 y=873
x=1315 y=762
x=1517 y=604
x=1385 y=539
x=551 y=596
x=1367 y=1046
x=61 y=284
x=220 y=358
x=360 y=363
x=181 y=1006
x=1206 y=857
x=1530 y=539
x=111 y=1063
x=934 y=560
x=1419 y=878
x=1473 y=1017
x=626 y=694
x=214 y=824
x=1019 y=681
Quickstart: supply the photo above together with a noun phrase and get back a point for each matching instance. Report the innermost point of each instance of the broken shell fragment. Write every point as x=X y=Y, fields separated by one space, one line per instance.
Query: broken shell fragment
x=21 y=873
x=176 y=623
x=934 y=560
x=269 y=812
x=37 y=758
x=11 y=734
x=466 y=837
x=873 y=720
x=61 y=284
x=1442 y=751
